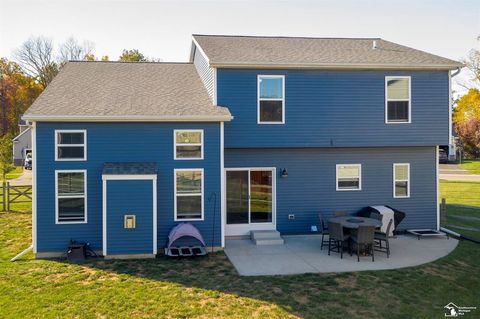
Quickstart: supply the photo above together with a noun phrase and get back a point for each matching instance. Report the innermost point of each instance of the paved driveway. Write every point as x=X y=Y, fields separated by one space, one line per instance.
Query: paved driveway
x=24 y=179
x=452 y=172
x=302 y=254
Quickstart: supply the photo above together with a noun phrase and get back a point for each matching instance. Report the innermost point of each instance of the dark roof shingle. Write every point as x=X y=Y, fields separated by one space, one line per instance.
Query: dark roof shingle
x=250 y=51
x=127 y=91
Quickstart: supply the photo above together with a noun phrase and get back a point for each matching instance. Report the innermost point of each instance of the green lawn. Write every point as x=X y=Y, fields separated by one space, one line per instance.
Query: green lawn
x=210 y=288
x=464 y=193
x=471 y=165
x=462 y=219
x=17 y=172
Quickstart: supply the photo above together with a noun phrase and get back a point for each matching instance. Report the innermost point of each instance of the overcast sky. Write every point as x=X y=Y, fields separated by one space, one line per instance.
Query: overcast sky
x=163 y=29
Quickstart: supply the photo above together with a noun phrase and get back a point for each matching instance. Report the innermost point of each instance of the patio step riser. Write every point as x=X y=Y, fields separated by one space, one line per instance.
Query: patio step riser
x=265 y=242
x=270 y=234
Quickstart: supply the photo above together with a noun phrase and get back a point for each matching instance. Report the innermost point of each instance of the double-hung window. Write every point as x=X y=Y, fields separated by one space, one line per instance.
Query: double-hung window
x=397 y=99
x=188 y=194
x=70 y=145
x=401 y=180
x=349 y=177
x=188 y=144
x=271 y=99
x=71 y=196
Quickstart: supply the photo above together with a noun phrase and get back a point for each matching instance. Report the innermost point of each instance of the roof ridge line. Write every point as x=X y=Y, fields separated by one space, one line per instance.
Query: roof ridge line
x=129 y=62
x=286 y=37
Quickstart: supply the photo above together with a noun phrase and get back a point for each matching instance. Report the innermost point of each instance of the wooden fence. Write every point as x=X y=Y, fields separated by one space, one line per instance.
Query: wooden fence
x=14 y=194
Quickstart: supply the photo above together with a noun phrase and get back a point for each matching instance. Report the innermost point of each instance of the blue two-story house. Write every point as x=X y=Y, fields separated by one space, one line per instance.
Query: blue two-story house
x=254 y=133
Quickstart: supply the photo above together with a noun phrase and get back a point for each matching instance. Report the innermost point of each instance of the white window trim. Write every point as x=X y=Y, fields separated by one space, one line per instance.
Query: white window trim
x=84 y=158
x=201 y=144
x=267 y=76
x=261 y=226
x=387 y=78
x=84 y=171
x=401 y=180
x=175 y=194
x=359 y=178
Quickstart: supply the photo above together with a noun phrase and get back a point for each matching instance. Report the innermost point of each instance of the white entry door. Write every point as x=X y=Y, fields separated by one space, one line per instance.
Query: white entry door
x=250 y=200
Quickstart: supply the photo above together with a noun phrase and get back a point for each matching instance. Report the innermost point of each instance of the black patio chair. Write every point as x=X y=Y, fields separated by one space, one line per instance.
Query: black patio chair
x=364 y=237
x=383 y=237
x=323 y=230
x=337 y=237
x=376 y=216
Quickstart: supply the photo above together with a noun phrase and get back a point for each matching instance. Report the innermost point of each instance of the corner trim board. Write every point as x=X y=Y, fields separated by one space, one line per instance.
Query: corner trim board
x=34 y=186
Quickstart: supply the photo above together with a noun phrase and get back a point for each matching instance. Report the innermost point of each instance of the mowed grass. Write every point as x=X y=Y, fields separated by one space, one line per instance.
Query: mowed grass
x=464 y=220
x=209 y=287
x=17 y=172
x=472 y=166
x=460 y=193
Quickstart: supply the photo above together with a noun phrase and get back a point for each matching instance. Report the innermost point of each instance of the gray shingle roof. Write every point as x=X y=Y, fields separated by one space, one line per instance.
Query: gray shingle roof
x=316 y=52
x=130 y=168
x=126 y=91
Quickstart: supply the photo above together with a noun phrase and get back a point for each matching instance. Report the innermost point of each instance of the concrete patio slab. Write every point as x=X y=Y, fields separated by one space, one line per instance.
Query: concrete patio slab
x=302 y=254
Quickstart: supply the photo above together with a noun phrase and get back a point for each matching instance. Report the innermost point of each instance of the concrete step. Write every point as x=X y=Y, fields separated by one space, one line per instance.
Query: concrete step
x=264 y=234
x=264 y=242
x=266 y=237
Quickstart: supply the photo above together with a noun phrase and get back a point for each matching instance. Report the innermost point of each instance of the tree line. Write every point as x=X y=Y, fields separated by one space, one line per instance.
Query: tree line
x=35 y=64
x=466 y=111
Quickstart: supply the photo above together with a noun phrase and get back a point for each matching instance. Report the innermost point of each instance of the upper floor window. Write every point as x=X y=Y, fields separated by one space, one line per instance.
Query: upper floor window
x=70 y=191
x=70 y=145
x=398 y=102
x=188 y=194
x=188 y=144
x=349 y=177
x=401 y=180
x=271 y=99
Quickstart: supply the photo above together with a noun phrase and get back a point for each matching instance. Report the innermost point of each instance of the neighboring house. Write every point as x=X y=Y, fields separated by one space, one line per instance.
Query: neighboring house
x=22 y=144
x=278 y=128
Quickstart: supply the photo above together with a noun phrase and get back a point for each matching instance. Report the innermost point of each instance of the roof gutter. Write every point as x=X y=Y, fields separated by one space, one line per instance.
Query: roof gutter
x=83 y=118
x=456 y=72
x=337 y=66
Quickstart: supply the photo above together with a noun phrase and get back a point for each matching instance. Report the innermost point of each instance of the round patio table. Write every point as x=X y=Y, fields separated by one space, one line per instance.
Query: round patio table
x=352 y=222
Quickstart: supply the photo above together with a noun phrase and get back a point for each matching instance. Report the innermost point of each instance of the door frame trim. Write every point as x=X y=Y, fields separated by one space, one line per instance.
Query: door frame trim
x=242 y=228
x=119 y=177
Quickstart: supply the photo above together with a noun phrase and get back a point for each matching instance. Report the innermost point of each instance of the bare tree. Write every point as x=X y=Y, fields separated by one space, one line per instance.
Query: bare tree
x=36 y=57
x=72 y=50
x=473 y=62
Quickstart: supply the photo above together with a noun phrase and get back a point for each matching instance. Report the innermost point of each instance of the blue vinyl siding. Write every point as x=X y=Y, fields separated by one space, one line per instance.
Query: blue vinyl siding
x=132 y=197
x=310 y=185
x=334 y=108
x=122 y=142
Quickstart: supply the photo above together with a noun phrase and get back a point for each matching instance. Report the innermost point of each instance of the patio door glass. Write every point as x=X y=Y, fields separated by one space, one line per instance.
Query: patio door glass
x=249 y=196
x=237 y=197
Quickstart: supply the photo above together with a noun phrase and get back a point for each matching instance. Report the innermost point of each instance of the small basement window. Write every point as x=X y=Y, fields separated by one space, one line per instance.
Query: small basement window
x=71 y=190
x=401 y=180
x=188 y=194
x=398 y=102
x=271 y=99
x=70 y=145
x=188 y=144
x=349 y=177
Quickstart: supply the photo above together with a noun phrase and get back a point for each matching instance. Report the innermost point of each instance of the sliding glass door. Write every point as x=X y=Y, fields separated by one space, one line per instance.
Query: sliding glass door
x=250 y=196
x=261 y=196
